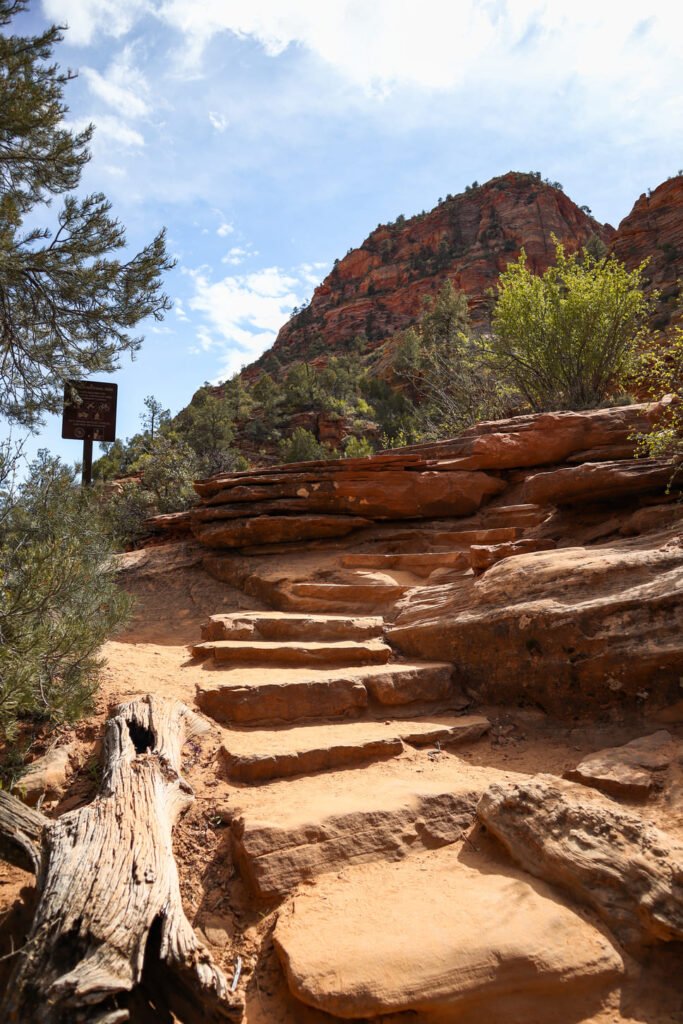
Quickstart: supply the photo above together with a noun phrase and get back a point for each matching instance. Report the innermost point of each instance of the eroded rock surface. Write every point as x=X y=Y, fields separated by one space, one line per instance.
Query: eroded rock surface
x=608 y=858
x=580 y=627
x=433 y=935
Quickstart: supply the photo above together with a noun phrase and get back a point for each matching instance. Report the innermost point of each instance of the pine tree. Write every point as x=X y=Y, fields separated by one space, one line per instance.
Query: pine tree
x=67 y=303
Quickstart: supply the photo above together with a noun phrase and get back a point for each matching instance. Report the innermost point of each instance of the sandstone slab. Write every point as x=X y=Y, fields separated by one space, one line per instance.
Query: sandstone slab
x=240 y=533
x=273 y=697
x=483 y=556
x=291 y=626
x=598 y=481
x=418 y=563
x=258 y=755
x=427 y=935
x=339 y=596
x=465 y=538
x=294 y=652
x=629 y=872
x=298 y=829
x=262 y=702
x=633 y=770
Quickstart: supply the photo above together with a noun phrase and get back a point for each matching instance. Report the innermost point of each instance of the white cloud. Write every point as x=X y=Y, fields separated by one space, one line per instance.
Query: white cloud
x=219 y=121
x=242 y=313
x=224 y=229
x=235 y=256
x=123 y=86
x=88 y=18
x=438 y=44
x=109 y=127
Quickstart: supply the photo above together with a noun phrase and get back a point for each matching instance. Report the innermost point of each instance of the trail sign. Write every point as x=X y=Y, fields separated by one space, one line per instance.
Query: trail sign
x=89 y=410
x=89 y=415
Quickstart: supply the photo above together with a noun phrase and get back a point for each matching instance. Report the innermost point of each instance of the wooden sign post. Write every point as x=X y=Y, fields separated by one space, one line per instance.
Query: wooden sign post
x=89 y=415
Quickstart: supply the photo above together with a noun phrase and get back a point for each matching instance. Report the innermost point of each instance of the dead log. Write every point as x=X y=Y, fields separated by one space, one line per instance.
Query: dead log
x=109 y=919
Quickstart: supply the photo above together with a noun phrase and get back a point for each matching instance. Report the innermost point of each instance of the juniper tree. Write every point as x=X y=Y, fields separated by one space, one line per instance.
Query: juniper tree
x=68 y=301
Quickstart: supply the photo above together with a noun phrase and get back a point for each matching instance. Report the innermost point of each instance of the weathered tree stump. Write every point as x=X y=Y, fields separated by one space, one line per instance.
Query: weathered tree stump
x=108 y=893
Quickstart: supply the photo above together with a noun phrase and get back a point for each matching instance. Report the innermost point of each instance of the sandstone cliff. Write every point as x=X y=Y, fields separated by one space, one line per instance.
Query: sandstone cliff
x=654 y=230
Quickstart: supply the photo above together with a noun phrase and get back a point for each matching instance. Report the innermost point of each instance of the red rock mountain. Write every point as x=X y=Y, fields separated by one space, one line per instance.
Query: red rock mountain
x=379 y=288
x=469 y=239
x=654 y=230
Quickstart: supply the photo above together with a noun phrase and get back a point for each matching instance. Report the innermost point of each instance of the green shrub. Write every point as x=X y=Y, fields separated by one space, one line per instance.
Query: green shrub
x=357 y=448
x=303 y=446
x=58 y=596
x=566 y=338
x=658 y=372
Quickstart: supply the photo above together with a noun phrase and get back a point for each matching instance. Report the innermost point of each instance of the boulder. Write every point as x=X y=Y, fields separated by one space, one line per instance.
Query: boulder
x=628 y=871
x=633 y=770
x=433 y=935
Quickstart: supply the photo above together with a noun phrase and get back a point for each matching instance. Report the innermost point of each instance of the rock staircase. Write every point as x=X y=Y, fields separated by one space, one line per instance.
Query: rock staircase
x=349 y=774
x=348 y=806
x=326 y=699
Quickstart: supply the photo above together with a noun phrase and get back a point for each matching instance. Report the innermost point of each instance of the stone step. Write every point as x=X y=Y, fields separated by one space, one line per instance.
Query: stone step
x=483 y=556
x=291 y=626
x=420 y=563
x=464 y=538
x=524 y=516
x=295 y=652
x=449 y=935
x=340 y=596
x=259 y=697
x=291 y=831
x=258 y=755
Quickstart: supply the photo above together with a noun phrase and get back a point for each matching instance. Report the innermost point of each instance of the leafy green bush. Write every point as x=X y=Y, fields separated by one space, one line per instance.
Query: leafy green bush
x=58 y=596
x=165 y=474
x=358 y=448
x=303 y=446
x=564 y=339
x=659 y=372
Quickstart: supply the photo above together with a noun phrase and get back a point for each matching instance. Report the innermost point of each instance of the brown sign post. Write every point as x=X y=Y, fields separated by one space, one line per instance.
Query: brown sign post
x=89 y=415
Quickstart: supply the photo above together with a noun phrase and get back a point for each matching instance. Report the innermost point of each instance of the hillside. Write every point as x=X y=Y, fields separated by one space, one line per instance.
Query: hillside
x=379 y=288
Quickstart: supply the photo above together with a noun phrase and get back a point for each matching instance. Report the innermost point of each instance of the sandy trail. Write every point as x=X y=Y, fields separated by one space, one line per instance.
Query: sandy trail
x=173 y=597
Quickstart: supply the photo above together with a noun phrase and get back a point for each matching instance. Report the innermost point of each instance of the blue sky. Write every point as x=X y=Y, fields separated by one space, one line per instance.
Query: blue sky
x=270 y=136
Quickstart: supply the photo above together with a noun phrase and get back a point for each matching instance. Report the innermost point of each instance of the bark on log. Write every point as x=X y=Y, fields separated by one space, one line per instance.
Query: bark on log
x=108 y=892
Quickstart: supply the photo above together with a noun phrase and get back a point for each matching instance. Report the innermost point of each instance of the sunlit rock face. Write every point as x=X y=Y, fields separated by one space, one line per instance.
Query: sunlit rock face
x=653 y=231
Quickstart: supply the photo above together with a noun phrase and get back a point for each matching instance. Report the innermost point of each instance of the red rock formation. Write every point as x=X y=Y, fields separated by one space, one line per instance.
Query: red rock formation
x=469 y=239
x=654 y=230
